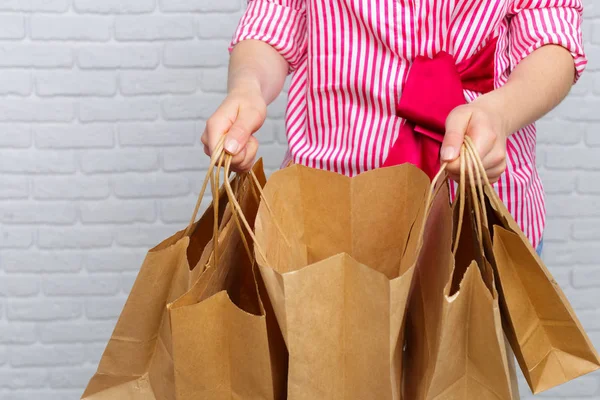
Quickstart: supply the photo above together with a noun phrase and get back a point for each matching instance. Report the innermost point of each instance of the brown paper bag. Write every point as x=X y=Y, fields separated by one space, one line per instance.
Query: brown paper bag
x=221 y=349
x=550 y=344
x=137 y=363
x=337 y=257
x=455 y=347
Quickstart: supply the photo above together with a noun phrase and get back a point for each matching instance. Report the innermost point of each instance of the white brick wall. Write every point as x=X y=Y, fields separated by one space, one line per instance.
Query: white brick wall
x=102 y=103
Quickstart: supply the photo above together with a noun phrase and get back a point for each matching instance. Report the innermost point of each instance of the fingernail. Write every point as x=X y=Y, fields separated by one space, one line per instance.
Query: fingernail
x=449 y=153
x=232 y=146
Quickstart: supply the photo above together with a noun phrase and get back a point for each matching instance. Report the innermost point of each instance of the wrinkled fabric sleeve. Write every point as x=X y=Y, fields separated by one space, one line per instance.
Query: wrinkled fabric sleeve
x=279 y=23
x=536 y=23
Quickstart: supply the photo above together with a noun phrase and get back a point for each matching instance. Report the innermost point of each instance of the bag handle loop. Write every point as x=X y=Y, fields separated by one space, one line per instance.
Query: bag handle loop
x=211 y=167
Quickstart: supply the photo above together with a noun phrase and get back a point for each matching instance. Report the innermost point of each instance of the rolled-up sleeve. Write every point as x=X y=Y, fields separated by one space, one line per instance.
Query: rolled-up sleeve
x=279 y=23
x=536 y=23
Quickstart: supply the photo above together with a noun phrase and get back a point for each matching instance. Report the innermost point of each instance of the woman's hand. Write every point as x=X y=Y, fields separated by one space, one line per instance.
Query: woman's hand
x=256 y=76
x=241 y=114
x=488 y=131
x=535 y=86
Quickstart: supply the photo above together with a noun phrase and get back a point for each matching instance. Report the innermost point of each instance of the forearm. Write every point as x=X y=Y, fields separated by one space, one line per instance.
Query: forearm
x=255 y=65
x=537 y=85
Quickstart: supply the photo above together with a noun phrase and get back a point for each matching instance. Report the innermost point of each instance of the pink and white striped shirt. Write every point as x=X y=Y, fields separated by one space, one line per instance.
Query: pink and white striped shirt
x=350 y=59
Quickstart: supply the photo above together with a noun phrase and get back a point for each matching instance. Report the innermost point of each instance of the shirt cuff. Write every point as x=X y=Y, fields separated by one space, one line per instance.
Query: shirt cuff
x=282 y=27
x=531 y=29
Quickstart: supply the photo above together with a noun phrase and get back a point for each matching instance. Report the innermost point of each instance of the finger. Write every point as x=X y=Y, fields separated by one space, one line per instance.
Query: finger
x=250 y=156
x=219 y=123
x=494 y=178
x=482 y=133
x=238 y=159
x=457 y=124
x=204 y=137
x=494 y=158
x=455 y=176
x=247 y=121
x=206 y=150
x=495 y=173
x=453 y=168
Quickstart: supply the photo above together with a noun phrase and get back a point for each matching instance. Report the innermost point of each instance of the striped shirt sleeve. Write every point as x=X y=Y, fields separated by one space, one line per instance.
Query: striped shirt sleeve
x=280 y=23
x=535 y=23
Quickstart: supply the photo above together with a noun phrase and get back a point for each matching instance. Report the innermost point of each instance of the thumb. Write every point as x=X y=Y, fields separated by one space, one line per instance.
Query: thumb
x=248 y=121
x=457 y=124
